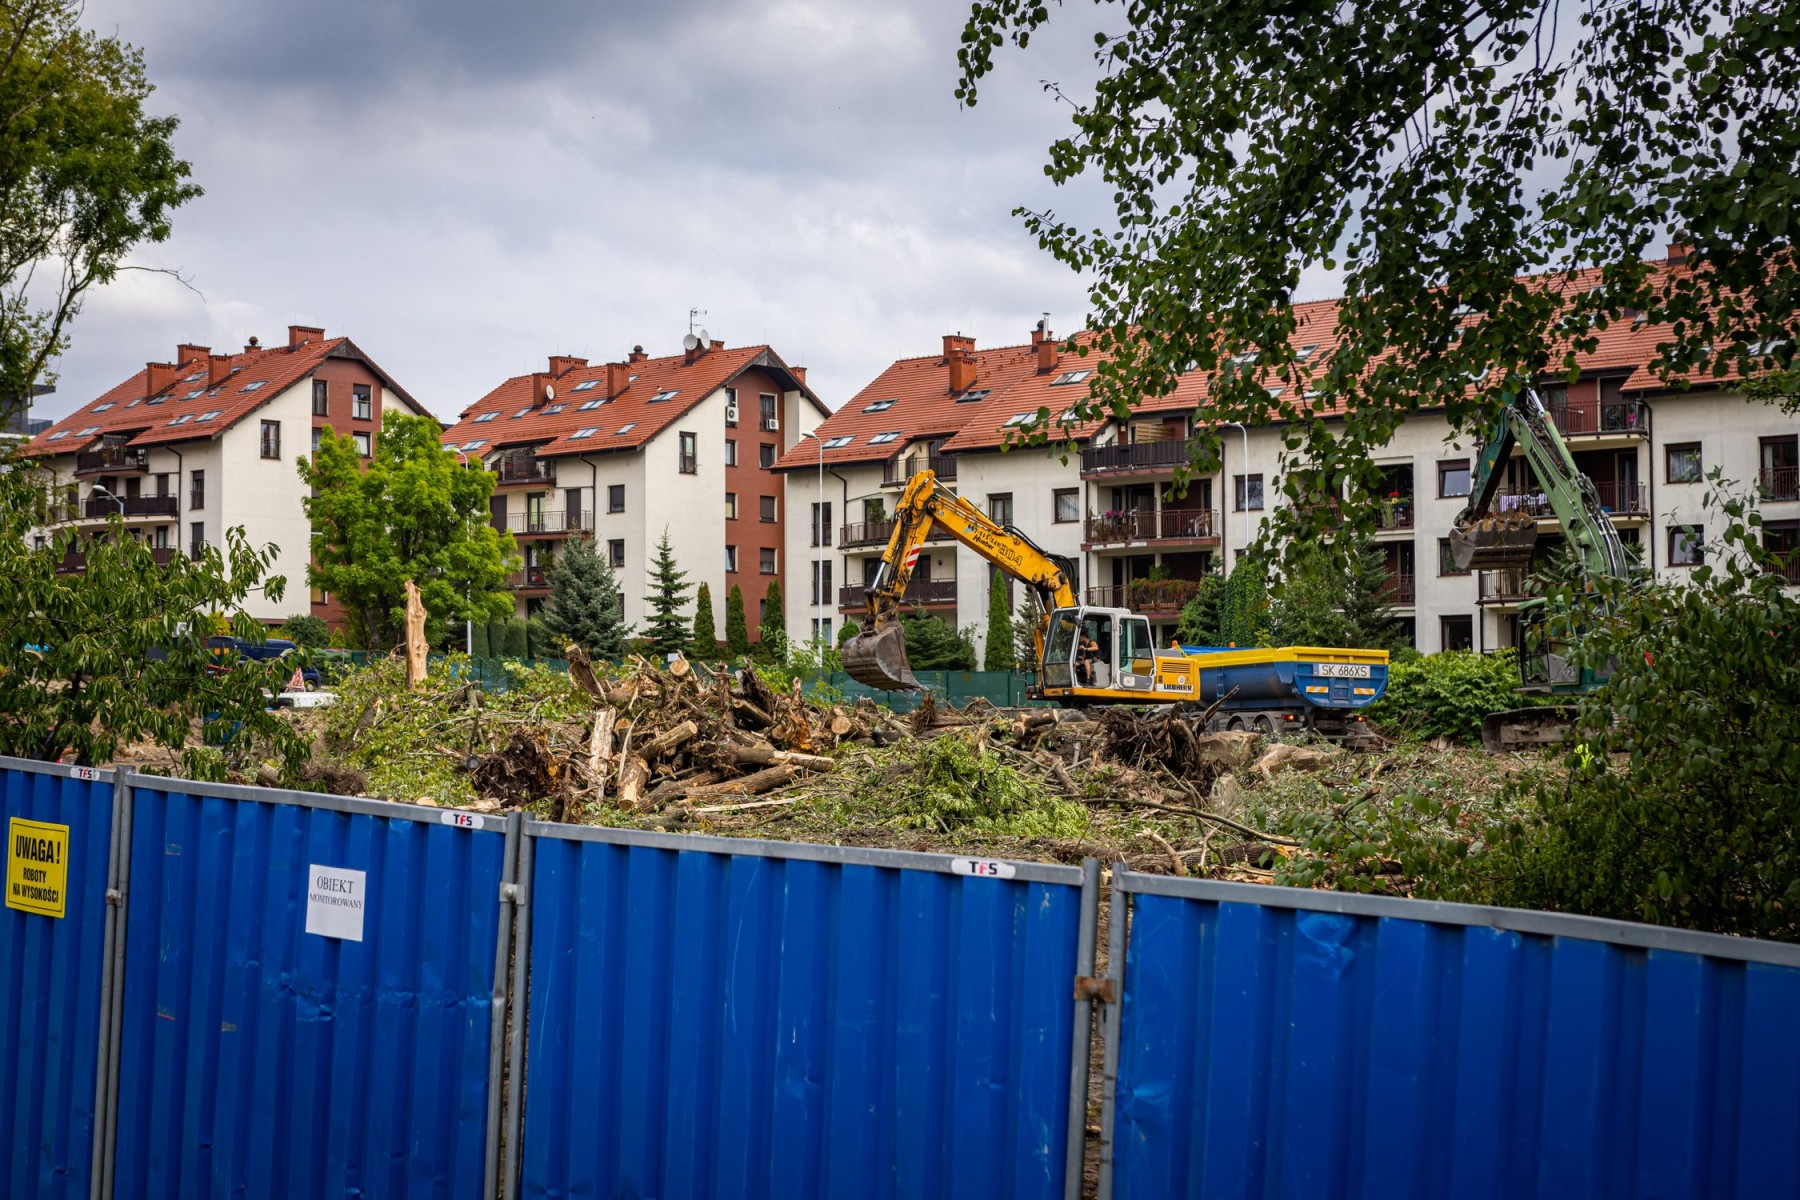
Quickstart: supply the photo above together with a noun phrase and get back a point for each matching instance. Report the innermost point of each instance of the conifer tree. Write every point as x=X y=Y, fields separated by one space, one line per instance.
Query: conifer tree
x=585 y=605
x=706 y=634
x=772 y=633
x=666 y=633
x=737 y=625
x=997 y=655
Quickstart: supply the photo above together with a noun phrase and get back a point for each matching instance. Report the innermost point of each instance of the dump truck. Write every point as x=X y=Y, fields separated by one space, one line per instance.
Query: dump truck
x=1091 y=654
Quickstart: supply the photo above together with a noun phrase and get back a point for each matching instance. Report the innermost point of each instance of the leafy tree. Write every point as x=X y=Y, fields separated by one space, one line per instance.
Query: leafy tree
x=1201 y=616
x=585 y=605
x=413 y=514
x=306 y=631
x=933 y=644
x=1447 y=694
x=667 y=631
x=737 y=626
x=1454 y=165
x=998 y=655
x=1243 y=609
x=87 y=175
x=706 y=634
x=117 y=652
x=1325 y=602
x=772 y=633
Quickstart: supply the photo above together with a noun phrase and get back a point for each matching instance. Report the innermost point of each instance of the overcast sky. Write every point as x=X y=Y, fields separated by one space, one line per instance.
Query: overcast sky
x=465 y=187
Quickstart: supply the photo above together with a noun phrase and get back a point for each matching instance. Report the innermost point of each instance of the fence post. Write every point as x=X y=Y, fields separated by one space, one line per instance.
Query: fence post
x=521 y=1009
x=1084 y=1007
x=1118 y=917
x=97 y=1152
x=112 y=999
x=497 y=1007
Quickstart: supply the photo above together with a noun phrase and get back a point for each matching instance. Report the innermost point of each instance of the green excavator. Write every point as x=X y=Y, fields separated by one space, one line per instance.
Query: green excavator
x=1489 y=538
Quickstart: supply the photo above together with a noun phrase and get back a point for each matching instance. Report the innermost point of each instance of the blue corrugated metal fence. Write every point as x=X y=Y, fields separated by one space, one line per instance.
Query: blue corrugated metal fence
x=724 y=1017
x=50 y=998
x=262 y=1060
x=1275 y=1042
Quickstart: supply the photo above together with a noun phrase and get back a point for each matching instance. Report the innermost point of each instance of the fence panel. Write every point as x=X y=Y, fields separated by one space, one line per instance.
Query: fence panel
x=53 y=941
x=308 y=996
x=1278 y=1042
x=726 y=1017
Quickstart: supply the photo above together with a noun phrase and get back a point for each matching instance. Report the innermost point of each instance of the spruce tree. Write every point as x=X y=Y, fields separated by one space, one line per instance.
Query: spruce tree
x=998 y=654
x=586 y=606
x=667 y=632
x=772 y=633
x=1200 y=616
x=706 y=634
x=1367 y=614
x=737 y=625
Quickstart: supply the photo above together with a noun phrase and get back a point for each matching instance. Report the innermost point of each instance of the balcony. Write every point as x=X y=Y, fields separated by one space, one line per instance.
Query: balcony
x=876 y=534
x=1620 y=499
x=113 y=460
x=99 y=508
x=897 y=470
x=526 y=470
x=1399 y=590
x=1146 y=595
x=1500 y=587
x=531 y=577
x=553 y=522
x=1779 y=483
x=1153 y=525
x=928 y=592
x=1394 y=514
x=1610 y=418
x=1787 y=566
x=1137 y=458
x=75 y=562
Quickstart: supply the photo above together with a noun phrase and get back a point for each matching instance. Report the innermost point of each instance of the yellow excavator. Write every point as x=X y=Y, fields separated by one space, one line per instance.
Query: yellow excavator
x=1091 y=654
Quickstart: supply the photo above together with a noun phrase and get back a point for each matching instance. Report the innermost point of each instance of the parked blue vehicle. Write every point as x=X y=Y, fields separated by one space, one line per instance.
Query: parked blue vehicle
x=1290 y=689
x=226 y=648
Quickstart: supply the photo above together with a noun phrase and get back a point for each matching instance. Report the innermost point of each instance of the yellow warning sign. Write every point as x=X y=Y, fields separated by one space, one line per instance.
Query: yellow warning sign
x=37 y=866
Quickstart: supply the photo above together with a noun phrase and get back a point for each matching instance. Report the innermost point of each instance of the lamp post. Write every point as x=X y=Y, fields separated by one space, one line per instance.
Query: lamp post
x=1238 y=425
x=100 y=490
x=819 y=541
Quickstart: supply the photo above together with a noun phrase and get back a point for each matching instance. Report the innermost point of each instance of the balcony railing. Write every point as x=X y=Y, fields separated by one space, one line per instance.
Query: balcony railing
x=75 y=562
x=1394 y=514
x=112 y=460
x=1780 y=483
x=918 y=591
x=99 y=508
x=1399 y=590
x=1621 y=499
x=532 y=577
x=526 y=470
x=1787 y=565
x=1140 y=456
x=556 y=521
x=877 y=533
x=1146 y=595
x=1500 y=587
x=1587 y=418
x=899 y=469
x=1152 y=525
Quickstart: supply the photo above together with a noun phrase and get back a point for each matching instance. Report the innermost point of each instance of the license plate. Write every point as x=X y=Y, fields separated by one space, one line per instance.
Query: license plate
x=1341 y=670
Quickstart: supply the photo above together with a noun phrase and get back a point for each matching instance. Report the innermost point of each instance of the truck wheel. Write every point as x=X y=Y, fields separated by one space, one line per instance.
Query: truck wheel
x=1235 y=725
x=1263 y=725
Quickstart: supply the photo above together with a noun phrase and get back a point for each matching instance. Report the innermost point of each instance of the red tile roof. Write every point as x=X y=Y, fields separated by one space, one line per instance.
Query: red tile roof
x=173 y=413
x=506 y=417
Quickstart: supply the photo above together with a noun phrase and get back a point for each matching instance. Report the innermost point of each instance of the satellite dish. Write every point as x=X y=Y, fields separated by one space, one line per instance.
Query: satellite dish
x=705 y=337
x=549 y=391
x=690 y=342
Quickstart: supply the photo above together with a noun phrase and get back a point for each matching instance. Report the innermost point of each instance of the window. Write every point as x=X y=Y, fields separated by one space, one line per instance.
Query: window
x=362 y=402
x=615 y=497
x=731 y=560
x=1068 y=377
x=666 y=395
x=588 y=405
x=765 y=455
x=690 y=453
x=554 y=409
x=585 y=386
x=162 y=537
x=762 y=612
x=184 y=418
x=838 y=443
x=1453 y=477
x=626 y=428
x=615 y=552
x=731 y=452
x=1457 y=633
x=100 y=408
x=523 y=412
x=765 y=508
x=582 y=435
x=974 y=394
x=880 y=406
x=196 y=539
x=822 y=630
x=1447 y=561
x=1780 y=477
x=765 y=404
x=1684 y=545
x=196 y=489
x=253 y=385
x=821 y=524
x=1068 y=505
x=731 y=506
x=271 y=439
x=321 y=398
x=882 y=439
x=1306 y=352
x=364 y=442
x=209 y=415
x=1682 y=463
x=1000 y=507
x=767 y=557
x=1249 y=492
x=1018 y=419
x=59 y=435
x=821 y=582
x=1782 y=540
x=484 y=418
x=731 y=408
x=477 y=444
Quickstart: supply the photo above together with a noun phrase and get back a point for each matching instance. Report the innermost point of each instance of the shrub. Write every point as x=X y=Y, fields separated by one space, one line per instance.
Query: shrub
x=478 y=641
x=933 y=645
x=306 y=631
x=1447 y=694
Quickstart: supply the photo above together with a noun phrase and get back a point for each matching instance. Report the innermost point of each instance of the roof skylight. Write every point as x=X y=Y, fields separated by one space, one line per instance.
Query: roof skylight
x=583 y=434
x=882 y=439
x=183 y=419
x=880 y=406
x=208 y=415
x=196 y=392
x=1306 y=352
x=477 y=444
x=1018 y=419
x=523 y=412
x=252 y=385
x=105 y=407
x=974 y=394
x=59 y=435
x=1068 y=377
x=838 y=443
x=665 y=394
x=554 y=409
x=586 y=386
x=589 y=405
x=90 y=431
x=484 y=418
x=627 y=427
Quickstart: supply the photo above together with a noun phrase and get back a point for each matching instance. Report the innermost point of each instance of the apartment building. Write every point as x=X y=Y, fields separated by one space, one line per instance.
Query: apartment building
x=622 y=452
x=186 y=449
x=1106 y=503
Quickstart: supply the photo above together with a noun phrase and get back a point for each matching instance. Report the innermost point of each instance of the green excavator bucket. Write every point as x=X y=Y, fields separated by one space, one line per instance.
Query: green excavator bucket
x=877 y=659
x=1495 y=543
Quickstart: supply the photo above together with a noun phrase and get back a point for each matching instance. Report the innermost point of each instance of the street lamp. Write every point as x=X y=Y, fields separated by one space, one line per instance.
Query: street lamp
x=100 y=490
x=819 y=541
x=1238 y=425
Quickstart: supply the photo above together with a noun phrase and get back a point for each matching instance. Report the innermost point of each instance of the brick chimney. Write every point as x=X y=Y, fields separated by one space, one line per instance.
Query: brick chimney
x=798 y=373
x=158 y=376
x=618 y=378
x=540 y=387
x=1679 y=253
x=637 y=354
x=218 y=368
x=954 y=342
x=187 y=352
x=1044 y=342
x=716 y=345
x=561 y=364
x=300 y=335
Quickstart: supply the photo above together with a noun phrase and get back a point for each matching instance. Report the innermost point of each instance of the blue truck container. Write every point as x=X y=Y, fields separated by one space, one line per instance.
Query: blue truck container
x=1291 y=688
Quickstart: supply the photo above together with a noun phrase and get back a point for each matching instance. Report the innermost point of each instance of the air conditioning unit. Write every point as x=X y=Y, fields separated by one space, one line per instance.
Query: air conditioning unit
x=731 y=414
x=771 y=424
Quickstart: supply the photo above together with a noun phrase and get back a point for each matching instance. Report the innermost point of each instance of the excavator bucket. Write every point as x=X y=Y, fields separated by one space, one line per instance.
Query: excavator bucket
x=877 y=659
x=1495 y=543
